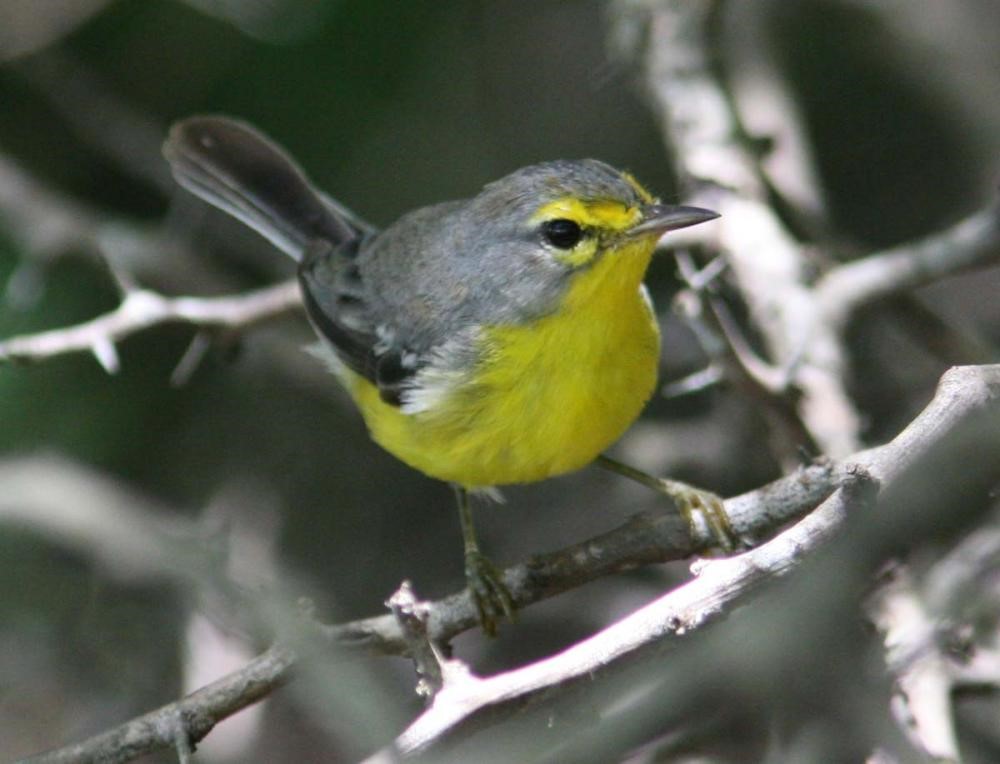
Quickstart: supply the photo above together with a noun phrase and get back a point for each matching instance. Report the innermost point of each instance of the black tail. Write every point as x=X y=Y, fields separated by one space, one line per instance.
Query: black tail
x=237 y=169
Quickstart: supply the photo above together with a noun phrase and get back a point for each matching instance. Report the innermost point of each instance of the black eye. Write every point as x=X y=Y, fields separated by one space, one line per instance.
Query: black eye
x=562 y=233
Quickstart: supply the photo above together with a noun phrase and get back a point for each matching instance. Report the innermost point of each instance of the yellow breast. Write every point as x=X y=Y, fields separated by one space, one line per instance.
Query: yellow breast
x=547 y=397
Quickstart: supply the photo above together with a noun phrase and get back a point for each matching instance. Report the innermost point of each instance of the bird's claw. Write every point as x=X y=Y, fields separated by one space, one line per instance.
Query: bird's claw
x=710 y=506
x=489 y=593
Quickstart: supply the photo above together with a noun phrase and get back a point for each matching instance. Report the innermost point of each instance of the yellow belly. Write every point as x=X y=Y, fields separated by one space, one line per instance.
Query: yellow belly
x=546 y=399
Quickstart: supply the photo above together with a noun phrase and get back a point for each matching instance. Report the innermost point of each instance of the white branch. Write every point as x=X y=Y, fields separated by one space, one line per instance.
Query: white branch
x=142 y=309
x=801 y=323
x=922 y=698
x=767 y=263
x=964 y=392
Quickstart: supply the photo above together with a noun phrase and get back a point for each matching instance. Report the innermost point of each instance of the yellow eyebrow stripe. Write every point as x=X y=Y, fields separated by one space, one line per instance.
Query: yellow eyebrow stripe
x=598 y=213
x=646 y=197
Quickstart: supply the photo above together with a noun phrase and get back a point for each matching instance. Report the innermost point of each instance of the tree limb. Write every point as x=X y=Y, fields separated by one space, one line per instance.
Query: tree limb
x=963 y=392
x=766 y=261
x=801 y=323
x=141 y=309
x=195 y=715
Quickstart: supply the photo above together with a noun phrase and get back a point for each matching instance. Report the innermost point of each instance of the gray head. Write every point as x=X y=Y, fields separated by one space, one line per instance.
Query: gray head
x=508 y=254
x=566 y=210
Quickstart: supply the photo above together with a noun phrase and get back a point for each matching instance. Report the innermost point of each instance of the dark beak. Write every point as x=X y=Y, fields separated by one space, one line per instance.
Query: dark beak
x=660 y=218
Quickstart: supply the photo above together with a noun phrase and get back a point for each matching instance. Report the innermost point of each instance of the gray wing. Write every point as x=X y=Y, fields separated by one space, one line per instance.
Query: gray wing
x=394 y=304
x=340 y=306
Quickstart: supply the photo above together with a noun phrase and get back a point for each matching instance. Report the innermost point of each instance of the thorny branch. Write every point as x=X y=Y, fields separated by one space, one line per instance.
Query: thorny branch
x=47 y=225
x=963 y=393
x=141 y=309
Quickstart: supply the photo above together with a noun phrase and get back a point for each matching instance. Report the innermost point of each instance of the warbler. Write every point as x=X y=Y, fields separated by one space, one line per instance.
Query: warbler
x=500 y=339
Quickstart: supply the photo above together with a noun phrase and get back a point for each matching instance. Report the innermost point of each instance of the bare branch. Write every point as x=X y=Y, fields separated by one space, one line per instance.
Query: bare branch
x=801 y=323
x=963 y=392
x=974 y=241
x=734 y=360
x=46 y=225
x=692 y=606
x=643 y=539
x=194 y=716
x=78 y=507
x=142 y=309
x=767 y=263
x=86 y=511
x=411 y=615
x=922 y=698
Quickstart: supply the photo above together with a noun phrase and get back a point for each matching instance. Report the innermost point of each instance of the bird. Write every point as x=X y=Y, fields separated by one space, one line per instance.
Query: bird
x=500 y=339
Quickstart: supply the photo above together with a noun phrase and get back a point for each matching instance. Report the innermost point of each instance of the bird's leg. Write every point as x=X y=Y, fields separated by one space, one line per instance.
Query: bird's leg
x=485 y=582
x=687 y=498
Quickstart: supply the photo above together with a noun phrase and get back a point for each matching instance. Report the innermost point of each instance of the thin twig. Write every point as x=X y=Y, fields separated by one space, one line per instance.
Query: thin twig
x=972 y=242
x=142 y=309
x=411 y=615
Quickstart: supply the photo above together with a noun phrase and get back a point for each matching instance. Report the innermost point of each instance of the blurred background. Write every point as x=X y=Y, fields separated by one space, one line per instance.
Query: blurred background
x=389 y=106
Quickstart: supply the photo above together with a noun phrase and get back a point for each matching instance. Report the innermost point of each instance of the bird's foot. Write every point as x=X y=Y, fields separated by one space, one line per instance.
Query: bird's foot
x=489 y=593
x=710 y=506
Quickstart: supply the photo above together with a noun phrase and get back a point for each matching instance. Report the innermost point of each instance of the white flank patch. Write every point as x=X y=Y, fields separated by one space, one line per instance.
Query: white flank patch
x=428 y=390
x=447 y=367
